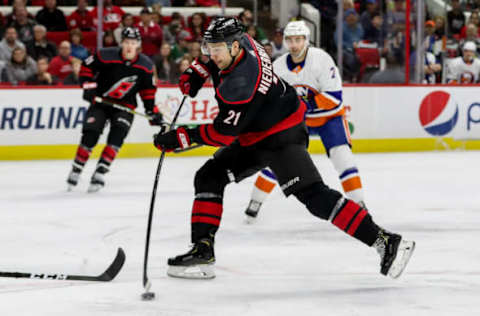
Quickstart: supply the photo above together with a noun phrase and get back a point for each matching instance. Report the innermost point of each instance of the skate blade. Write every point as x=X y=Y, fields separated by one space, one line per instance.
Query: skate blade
x=94 y=188
x=70 y=188
x=201 y=271
x=404 y=253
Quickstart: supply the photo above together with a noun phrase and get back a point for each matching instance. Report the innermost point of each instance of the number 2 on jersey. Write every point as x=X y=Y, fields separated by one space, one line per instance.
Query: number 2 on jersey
x=232 y=115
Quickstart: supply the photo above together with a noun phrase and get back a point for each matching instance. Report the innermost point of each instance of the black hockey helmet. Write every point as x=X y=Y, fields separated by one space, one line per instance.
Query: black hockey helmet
x=223 y=30
x=131 y=33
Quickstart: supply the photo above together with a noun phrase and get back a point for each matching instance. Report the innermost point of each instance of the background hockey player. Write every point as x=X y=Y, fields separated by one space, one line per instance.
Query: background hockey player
x=464 y=69
x=315 y=76
x=115 y=74
x=260 y=123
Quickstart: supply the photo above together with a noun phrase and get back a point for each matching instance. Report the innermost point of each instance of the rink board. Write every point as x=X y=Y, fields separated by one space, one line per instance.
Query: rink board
x=46 y=123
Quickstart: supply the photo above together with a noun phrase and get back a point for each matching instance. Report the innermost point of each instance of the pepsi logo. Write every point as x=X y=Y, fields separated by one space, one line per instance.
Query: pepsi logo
x=438 y=113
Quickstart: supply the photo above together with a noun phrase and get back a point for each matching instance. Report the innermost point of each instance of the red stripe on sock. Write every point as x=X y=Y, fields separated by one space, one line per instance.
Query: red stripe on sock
x=205 y=220
x=82 y=154
x=206 y=207
x=345 y=215
x=109 y=153
x=353 y=228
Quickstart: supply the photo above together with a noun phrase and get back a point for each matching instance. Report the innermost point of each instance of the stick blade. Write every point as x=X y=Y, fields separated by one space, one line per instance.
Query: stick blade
x=115 y=267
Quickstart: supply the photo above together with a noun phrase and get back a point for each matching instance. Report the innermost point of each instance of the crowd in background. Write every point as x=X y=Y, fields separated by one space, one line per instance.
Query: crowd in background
x=48 y=48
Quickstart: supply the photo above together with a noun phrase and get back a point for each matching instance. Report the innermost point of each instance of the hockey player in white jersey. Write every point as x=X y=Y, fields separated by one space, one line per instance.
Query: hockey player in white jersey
x=316 y=78
x=464 y=69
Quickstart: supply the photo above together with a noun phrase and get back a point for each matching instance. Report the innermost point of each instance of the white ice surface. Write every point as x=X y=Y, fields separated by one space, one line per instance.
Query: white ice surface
x=288 y=263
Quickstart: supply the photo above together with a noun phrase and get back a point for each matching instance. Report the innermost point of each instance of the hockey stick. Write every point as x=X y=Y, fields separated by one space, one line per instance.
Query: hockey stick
x=180 y=150
x=121 y=107
x=146 y=282
x=106 y=276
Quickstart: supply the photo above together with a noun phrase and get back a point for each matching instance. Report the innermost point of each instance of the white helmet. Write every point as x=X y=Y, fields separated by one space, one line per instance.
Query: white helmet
x=470 y=46
x=297 y=28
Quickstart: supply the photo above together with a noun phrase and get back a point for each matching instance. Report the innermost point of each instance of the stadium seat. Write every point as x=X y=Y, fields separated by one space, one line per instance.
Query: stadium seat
x=369 y=58
x=58 y=37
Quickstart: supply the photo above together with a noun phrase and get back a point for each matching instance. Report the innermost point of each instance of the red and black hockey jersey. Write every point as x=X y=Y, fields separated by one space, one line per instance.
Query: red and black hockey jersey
x=118 y=79
x=253 y=102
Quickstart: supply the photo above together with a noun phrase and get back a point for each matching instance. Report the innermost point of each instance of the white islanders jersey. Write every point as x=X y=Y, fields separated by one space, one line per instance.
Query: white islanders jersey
x=317 y=81
x=460 y=72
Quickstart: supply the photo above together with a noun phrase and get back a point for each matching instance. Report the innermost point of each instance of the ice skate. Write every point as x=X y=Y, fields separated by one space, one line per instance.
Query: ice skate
x=97 y=182
x=394 y=253
x=195 y=264
x=252 y=212
x=73 y=178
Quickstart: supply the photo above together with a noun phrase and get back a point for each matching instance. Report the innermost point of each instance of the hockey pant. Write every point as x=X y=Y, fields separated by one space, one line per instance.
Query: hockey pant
x=93 y=125
x=336 y=140
x=296 y=175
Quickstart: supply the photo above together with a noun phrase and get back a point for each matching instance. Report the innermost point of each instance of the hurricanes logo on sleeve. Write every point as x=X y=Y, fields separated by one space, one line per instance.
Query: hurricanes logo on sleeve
x=121 y=87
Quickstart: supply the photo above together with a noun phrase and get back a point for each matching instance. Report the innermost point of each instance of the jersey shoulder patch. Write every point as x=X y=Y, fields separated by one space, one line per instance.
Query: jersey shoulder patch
x=109 y=54
x=239 y=86
x=144 y=63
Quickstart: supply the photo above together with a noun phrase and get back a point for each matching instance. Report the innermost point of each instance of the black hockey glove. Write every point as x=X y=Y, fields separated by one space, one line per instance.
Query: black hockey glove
x=193 y=78
x=169 y=141
x=89 y=91
x=156 y=118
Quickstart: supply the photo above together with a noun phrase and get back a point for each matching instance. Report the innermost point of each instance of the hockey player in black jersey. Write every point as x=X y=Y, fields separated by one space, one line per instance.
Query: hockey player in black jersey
x=260 y=123
x=116 y=75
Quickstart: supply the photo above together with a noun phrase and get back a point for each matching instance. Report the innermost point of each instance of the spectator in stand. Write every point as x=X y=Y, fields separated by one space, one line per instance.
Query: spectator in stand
x=328 y=15
x=455 y=18
x=269 y=50
x=184 y=63
x=430 y=36
x=396 y=18
x=439 y=26
x=51 y=17
x=352 y=35
x=376 y=33
x=196 y=26
x=151 y=33
x=252 y=31
x=167 y=71
x=473 y=19
x=78 y=50
x=109 y=39
x=23 y=24
x=278 y=47
x=246 y=17
x=472 y=5
x=61 y=65
x=181 y=47
x=195 y=49
x=20 y=67
x=394 y=73
x=39 y=46
x=74 y=77
x=42 y=77
x=431 y=68
x=366 y=16
x=171 y=31
x=112 y=15
x=81 y=18
x=8 y=43
x=470 y=36
x=352 y=30
x=127 y=21
x=10 y=18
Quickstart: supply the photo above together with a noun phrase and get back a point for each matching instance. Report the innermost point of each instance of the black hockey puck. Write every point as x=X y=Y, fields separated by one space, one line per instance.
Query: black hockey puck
x=148 y=296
